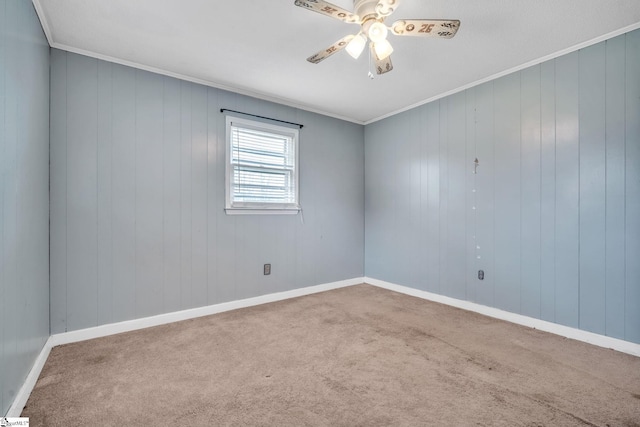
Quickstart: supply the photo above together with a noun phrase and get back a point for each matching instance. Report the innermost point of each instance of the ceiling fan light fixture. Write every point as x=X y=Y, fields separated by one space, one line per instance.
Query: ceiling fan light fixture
x=377 y=32
x=371 y=15
x=356 y=46
x=382 y=49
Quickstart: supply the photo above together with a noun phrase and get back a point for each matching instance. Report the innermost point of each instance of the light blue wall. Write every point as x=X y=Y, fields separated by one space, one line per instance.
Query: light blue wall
x=137 y=197
x=554 y=220
x=24 y=194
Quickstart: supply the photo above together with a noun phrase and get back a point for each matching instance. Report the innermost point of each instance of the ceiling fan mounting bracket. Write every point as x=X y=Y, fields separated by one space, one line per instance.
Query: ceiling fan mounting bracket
x=368 y=9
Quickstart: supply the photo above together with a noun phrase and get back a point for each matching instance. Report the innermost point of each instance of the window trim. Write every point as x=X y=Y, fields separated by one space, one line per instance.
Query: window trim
x=244 y=208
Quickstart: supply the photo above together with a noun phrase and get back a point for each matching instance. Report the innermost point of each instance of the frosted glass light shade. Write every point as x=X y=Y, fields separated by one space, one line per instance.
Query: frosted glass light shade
x=382 y=49
x=377 y=32
x=356 y=46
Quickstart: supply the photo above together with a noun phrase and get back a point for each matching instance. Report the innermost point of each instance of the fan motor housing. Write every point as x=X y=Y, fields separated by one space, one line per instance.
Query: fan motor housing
x=373 y=8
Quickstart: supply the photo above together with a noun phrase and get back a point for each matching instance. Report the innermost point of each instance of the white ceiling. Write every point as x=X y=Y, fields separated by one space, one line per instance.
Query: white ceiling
x=259 y=47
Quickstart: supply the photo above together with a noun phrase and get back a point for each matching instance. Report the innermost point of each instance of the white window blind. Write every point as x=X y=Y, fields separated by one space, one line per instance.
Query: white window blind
x=262 y=171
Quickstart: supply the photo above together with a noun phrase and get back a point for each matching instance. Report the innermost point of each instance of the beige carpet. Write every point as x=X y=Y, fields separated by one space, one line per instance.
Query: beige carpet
x=358 y=356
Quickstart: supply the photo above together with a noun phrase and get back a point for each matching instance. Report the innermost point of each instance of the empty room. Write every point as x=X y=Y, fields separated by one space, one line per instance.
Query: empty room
x=311 y=213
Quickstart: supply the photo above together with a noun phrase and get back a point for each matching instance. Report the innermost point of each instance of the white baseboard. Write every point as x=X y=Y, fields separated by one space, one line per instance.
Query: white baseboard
x=131 y=325
x=25 y=391
x=162 y=319
x=543 y=325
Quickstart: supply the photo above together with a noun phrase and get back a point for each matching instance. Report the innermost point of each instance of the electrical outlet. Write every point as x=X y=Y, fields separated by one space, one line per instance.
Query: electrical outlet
x=267 y=269
x=480 y=274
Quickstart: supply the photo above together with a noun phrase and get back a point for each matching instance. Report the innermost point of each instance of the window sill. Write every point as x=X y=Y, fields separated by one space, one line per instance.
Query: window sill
x=252 y=211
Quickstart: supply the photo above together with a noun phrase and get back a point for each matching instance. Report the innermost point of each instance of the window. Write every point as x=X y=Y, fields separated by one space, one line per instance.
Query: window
x=262 y=168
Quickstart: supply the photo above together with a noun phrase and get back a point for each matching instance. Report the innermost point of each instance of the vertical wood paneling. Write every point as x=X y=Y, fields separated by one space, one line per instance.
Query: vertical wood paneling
x=268 y=250
x=530 y=180
x=471 y=209
x=338 y=225
x=321 y=194
x=592 y=188
x=199 y=196
x=246 y=245
x=58 y=197
x=632 y=178
x=171 y=194
x=152 y=203
x=320 y=218
x=308 y=183
x=226 y=224
x=432 y=122
x=104 y=156
x=393 y=193
x=413 y=245
x=123 y=186
x=313 y=178
x=149 y=193
x=186 y=154
x=507 y=166
x=374 y=199
x=443 y=191
x=423 y=182
x=82 y=207
x=567 y=233
x=352 y=226
x=402 y=157
x=615 y=186
x=3 y=287
x=15 y=90
x=547 y=191
x=214 y=193
x=39 y=128
x=557 y=192
x=25 y=220
x=403 y=198
x=424 y=249
x=485 y=193
x=10 y=209
x=24 y=195
x=456 y=198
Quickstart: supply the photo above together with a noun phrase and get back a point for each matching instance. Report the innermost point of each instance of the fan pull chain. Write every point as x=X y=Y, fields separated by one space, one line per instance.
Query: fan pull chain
x=371 y=76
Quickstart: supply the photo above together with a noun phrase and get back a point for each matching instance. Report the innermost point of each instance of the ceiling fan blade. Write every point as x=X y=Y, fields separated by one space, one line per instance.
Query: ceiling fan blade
x=382 y=65
x=442 y=28
x=386 y=7
x=329 y=9
x=325 y=53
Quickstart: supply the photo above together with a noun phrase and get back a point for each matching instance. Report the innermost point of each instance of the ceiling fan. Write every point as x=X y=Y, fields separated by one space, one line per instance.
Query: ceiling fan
x=370 y=15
